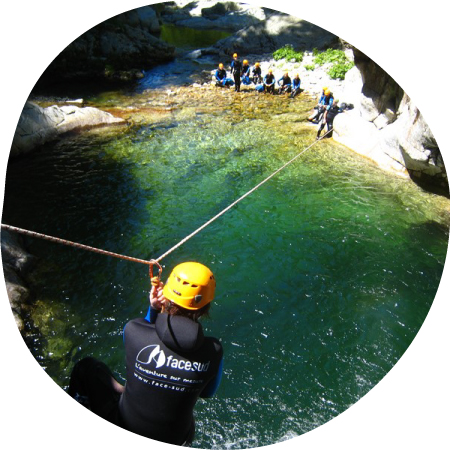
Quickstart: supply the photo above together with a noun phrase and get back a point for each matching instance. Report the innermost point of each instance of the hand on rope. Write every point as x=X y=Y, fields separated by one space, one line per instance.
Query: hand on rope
x=157 y=299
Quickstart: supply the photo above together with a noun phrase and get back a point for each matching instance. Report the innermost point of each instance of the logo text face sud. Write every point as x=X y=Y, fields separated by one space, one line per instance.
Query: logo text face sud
x=154 y=354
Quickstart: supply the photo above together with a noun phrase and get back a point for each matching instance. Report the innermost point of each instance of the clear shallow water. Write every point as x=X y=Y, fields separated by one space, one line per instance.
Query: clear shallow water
x=325 y=274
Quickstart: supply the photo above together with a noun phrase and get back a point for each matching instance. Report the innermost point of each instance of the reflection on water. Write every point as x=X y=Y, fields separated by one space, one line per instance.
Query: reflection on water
x=325 y=274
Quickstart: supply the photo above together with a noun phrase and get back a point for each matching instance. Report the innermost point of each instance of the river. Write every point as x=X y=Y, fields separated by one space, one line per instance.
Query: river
x=325 y=274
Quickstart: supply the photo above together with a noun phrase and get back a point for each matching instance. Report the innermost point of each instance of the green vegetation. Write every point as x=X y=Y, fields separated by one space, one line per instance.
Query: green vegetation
x=288 y=52
x=330 y=56
x=338 y=71
x=340 y=63
x=310 y=66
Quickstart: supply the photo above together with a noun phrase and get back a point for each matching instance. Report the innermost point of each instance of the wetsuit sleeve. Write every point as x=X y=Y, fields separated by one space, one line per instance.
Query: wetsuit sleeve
x=330 y=103
x=151 y=315
x=213 y=385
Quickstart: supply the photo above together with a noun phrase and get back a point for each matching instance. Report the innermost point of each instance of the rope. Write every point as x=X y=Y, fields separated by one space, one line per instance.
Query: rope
x=74 y=244
x=168 y=252
x=235 y=203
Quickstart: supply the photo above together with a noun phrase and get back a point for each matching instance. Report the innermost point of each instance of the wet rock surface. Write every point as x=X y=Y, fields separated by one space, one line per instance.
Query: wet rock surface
x=40 y=125
x=16 y=264
x=387 y=127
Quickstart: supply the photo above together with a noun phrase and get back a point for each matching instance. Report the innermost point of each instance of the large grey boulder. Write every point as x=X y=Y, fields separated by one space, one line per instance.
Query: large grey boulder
x=227 y=16
x=40 y=125
x=126 y=42
x=275 y=32
x=387 y=127
x=144 y=17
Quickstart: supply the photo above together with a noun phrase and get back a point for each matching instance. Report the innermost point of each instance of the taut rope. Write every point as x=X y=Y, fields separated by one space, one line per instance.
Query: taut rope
x=156 y=261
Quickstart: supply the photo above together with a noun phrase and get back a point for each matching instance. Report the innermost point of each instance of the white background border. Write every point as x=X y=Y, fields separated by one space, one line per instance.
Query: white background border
x=409 y=407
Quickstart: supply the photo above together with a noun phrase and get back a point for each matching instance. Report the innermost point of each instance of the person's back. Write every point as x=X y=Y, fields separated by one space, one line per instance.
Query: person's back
x=169 y=364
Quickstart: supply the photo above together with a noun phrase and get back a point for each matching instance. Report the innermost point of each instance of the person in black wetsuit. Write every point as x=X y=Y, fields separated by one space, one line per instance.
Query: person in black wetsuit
x=221 y=77
x=256 y=74
x=170 y=363
x=245 y=78
x=269 y=82
x=236 y=70
x=285 y=83
x=328 y=119
x=296 y=82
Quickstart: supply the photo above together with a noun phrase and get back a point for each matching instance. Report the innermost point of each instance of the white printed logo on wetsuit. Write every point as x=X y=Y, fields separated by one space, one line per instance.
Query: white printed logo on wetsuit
x=154 y=353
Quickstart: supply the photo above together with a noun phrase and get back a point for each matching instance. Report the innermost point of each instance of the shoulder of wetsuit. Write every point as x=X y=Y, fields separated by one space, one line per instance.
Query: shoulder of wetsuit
x=179 y=333
x=136 y=324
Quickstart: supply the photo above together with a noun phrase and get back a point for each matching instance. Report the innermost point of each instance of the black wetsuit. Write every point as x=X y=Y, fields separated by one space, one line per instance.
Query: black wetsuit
x=269 y=83
x=331 y=114
x=236 y=69
x=170 y=364
x=257 y=75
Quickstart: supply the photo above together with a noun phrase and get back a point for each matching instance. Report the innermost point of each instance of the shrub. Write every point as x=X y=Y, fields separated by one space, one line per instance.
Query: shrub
x=340 y=63
x=330 y=56
x=287 y=52
x=310 y=66
x=338 y=71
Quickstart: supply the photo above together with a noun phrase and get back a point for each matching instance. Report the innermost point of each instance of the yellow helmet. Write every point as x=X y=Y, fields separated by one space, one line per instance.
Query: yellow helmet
x=191 y=285
x=257 y=64
x=327 y=92
x=220 y=66
x=234 y=55
x=245 y=61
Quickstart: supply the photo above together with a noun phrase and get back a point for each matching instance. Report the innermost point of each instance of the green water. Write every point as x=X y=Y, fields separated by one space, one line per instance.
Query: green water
x=325 y=274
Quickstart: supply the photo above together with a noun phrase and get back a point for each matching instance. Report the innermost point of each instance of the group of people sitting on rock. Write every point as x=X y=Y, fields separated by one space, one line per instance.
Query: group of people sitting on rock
x=242 y=73
x=324 y=113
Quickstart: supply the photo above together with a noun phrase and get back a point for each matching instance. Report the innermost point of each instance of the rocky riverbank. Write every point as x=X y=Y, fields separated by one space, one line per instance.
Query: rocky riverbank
x=385 y=125
x=16 y=264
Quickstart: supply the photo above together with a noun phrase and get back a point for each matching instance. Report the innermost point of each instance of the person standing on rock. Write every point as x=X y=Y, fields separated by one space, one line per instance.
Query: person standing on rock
x=325 y=103
x=269 y=82
x=236 y=70
x=170 y=363
x=328 y=119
